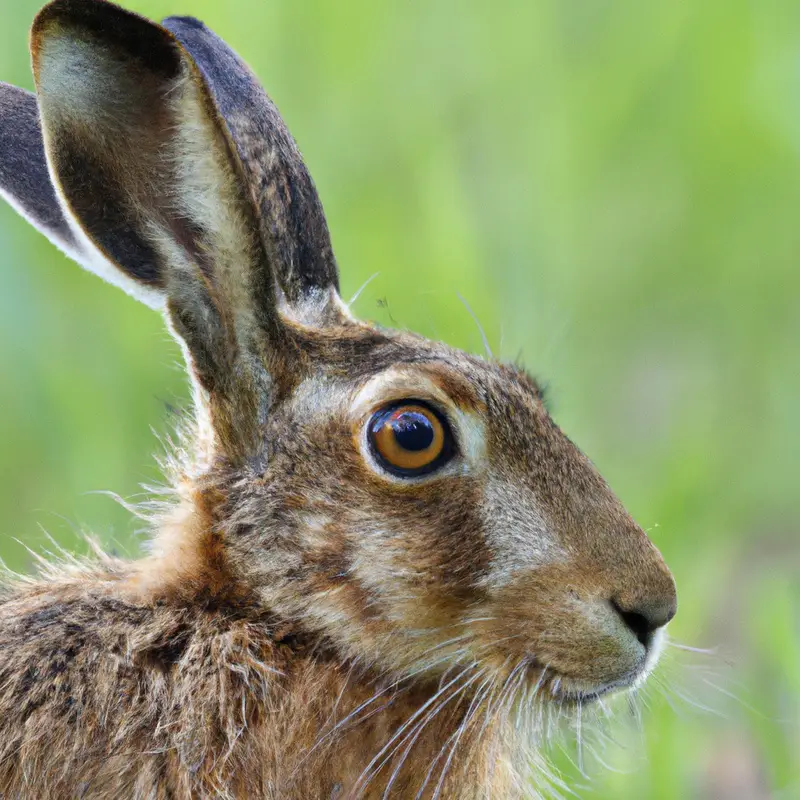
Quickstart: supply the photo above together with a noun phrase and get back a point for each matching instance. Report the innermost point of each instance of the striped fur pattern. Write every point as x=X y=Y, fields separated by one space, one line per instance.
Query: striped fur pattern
x=305 y=623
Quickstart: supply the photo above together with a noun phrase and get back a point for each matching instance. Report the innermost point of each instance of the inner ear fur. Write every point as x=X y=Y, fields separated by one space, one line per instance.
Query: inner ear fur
x=150 y=171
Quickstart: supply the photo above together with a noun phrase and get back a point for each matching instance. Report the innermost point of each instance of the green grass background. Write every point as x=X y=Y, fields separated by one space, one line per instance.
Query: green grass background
x=614 y=187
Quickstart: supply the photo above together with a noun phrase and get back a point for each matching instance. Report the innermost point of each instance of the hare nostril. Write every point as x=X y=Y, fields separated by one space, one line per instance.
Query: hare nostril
x=638 y=624
x=644 y=621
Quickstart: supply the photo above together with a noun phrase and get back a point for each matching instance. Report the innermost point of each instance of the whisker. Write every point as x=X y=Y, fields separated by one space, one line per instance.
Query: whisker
x=475 y=319
x=493 y=714
x=458 y=734
x=579 y=736
x=406 y=677
x=752 y=709
x=363 y=286
x=704 y=651
x=371 y=769
x=697 y=704
x=416 y=731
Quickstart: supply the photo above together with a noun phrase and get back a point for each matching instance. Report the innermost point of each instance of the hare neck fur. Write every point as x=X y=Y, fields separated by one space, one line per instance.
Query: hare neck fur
x=217 y=697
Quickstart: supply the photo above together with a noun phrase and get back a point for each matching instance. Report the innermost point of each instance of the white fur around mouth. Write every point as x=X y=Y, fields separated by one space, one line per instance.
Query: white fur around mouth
x=566 y=689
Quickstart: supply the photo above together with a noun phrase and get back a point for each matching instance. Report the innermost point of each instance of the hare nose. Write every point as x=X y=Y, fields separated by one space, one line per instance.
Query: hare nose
x=644 y=618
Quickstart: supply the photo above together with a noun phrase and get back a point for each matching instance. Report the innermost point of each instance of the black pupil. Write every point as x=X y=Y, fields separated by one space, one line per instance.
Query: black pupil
x=412 y=430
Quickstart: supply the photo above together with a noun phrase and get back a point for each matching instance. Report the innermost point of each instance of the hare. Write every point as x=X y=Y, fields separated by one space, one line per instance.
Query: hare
x=384 y=561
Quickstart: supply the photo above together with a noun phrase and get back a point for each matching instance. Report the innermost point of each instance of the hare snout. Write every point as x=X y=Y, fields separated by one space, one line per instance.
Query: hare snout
x=592 y=625
x=646 y=600
x=629 y=620
x=636 y=642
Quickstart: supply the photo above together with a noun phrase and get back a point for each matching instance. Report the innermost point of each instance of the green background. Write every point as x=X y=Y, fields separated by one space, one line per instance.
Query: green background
x=614 y=188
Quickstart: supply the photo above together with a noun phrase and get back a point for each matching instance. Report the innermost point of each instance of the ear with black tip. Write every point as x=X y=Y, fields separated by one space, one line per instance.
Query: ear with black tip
x=291 y=220
x=144 y=165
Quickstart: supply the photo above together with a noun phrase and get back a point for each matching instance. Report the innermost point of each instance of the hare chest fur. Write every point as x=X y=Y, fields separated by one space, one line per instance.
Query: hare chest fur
x=383 y=562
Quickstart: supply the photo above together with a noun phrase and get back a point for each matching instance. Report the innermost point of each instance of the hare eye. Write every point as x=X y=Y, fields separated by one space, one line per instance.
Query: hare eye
x=410 y=439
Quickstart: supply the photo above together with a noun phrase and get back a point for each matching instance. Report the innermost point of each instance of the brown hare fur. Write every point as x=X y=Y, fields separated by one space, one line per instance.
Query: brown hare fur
x=384 y=561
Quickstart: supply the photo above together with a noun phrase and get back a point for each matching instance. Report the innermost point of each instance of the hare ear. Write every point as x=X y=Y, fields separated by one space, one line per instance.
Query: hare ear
x=151 y=181
x=24 y=179
x=292 y=223
x=26 y=185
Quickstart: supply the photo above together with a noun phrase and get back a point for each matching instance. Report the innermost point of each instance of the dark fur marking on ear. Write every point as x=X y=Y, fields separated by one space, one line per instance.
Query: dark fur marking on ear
x=23 y=167
x=291 y=218
x=126 y=32
x=107 y=214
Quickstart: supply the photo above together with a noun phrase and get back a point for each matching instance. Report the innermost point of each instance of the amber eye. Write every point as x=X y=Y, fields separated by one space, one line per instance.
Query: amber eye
x=410 y=438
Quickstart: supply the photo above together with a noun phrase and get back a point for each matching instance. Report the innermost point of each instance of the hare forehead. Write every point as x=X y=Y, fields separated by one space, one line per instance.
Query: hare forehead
x=436 y=381
x=355 y=389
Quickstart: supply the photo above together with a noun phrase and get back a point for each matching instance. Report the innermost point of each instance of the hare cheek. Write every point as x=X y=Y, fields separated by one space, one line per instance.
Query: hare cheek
x=517 y=533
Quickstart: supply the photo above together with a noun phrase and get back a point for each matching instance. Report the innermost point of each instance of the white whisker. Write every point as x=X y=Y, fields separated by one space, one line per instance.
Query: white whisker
x=475 y=319
x=363 y=286
x=378 y=761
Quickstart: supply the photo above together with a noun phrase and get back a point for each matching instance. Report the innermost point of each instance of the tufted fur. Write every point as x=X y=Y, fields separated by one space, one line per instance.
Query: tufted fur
x=304 y=624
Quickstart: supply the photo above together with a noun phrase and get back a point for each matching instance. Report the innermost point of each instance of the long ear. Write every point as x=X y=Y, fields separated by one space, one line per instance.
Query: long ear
x=222 y=228
x=292 y=222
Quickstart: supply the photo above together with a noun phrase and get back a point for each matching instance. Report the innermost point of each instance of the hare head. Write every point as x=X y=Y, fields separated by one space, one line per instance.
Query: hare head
x=395 y=501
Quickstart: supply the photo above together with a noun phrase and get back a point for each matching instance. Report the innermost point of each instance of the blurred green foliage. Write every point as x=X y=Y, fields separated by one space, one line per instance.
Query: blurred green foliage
x=614 y=188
